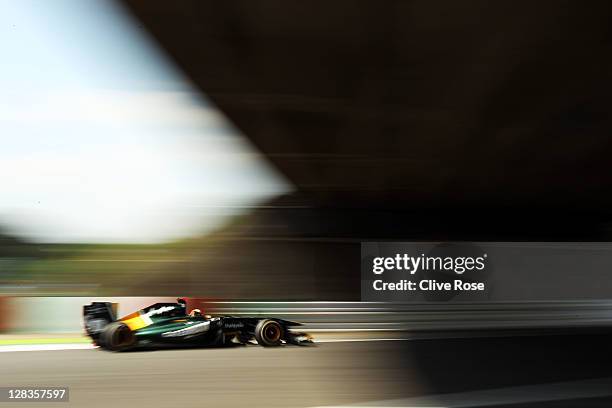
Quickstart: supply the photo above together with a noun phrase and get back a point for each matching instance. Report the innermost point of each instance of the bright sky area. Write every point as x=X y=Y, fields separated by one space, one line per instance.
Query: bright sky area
x=102 y=139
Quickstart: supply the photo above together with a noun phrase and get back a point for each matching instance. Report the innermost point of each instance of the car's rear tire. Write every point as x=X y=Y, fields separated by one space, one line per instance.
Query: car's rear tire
x=117 y=336
x=269 y=333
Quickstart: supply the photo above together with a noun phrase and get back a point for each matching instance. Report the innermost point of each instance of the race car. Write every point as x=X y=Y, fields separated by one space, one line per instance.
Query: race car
x=169 y=325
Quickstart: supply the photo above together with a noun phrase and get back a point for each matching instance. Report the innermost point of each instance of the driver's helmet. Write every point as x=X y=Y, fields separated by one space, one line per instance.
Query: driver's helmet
x=195 y=312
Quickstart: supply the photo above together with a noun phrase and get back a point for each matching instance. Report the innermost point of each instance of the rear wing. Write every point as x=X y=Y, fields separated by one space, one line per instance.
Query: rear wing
x=97 y=315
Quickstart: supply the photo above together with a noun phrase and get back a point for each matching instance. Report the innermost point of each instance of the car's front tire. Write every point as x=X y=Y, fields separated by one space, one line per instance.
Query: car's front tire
x=269 y=333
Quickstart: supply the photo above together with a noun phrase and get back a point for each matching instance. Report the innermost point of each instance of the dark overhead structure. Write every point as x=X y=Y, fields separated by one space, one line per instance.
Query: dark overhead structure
x=499 y=110
x=464 y=120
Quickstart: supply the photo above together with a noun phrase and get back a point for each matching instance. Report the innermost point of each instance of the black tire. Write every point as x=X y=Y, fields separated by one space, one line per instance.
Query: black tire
x=117 y=336
x=269 y=333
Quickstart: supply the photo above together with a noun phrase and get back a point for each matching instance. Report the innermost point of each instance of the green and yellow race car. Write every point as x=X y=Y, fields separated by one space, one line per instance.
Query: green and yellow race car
x=169 y=325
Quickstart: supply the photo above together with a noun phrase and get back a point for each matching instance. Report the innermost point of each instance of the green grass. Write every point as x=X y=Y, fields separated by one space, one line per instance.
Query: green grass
x=44 y=340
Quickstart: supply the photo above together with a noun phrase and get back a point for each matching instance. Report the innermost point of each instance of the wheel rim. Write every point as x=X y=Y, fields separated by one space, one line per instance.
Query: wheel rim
x=272 y=332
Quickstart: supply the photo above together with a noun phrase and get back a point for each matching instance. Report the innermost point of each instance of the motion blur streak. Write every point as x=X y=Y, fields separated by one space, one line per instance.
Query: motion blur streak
x=103 y=140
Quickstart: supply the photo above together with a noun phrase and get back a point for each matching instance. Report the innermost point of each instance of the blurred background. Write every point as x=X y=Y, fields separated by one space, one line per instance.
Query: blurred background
x=244 y=150
x=238 y=153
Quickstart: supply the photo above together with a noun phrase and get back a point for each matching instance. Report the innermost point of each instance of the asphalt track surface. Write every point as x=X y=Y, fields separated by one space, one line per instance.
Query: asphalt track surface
x=554 y=370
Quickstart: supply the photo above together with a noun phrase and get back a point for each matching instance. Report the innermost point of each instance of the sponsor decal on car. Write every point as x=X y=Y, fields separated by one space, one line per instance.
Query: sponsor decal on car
x=195 y=329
